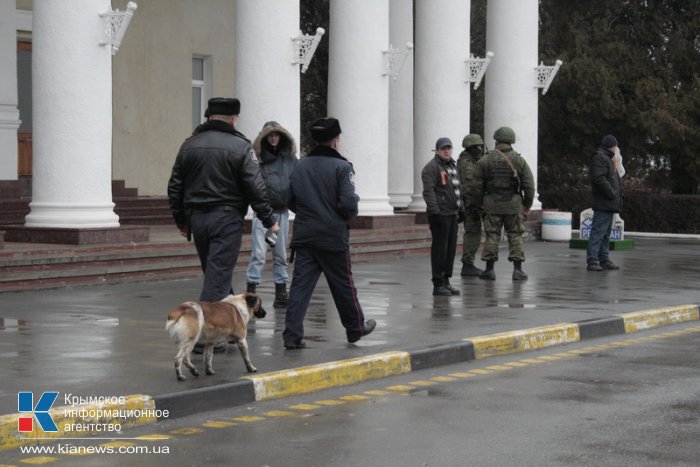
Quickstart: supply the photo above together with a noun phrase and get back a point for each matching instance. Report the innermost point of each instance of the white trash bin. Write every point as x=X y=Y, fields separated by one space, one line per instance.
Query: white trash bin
x=556 y=226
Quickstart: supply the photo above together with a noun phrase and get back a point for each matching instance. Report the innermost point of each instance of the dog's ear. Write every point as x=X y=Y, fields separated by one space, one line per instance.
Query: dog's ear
x=251 y=300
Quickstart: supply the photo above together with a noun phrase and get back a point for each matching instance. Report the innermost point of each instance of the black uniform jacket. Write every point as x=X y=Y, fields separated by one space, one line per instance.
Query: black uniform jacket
x=217 y=167
x=324 y=200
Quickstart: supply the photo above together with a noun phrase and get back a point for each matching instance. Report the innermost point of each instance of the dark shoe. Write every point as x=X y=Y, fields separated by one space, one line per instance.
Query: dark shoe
x=219 y=347
x=281 y=296
x=452 y=290
x=488 y=275
x=519 y=275
x=609 y=265
x=469 y=270
x=293 y=346
x=251 y=287
x=594 y=267
x=369 y=326
x=442 y=291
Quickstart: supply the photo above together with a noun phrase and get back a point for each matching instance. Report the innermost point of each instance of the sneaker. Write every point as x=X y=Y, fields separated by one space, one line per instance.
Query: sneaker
x=609 y=265
x=594 y=267
x=369 y=326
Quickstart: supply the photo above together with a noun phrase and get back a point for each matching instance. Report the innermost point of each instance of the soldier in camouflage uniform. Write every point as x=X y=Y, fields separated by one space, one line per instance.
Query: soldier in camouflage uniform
x=505 y=190
x=473 y=151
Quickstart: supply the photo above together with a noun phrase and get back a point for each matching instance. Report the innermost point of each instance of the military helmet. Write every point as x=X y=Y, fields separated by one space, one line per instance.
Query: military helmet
x=472 y=139
x=504 y=135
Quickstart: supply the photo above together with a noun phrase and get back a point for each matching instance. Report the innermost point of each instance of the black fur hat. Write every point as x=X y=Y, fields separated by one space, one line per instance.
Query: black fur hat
x=325 y=129
x=224 y=106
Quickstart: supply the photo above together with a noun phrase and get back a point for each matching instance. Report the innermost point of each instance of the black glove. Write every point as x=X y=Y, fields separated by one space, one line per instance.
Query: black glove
x=460 y=217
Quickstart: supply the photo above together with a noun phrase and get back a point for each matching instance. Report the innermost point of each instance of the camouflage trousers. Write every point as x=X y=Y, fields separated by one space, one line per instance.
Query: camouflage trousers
x=472 y=236
x=513 y=225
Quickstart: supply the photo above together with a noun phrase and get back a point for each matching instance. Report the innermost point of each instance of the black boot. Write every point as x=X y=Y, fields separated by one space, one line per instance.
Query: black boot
x=469 y=270
x=489 y=274
x=452 y=290
x=251 y=287
x=280 y=296
x=439 y=288
x=518 y=273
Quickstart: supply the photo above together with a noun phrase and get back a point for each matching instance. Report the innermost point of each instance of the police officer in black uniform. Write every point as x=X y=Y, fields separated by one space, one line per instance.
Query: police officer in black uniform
x=215 y=177
x=322 y=194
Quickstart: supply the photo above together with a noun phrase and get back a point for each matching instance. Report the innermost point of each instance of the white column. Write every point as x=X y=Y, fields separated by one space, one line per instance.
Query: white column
x=267 y=83
x=9 y=115
x=72 y=117
x=442 y=98
x=510 y=93
x=401 y=108
x=358 y=95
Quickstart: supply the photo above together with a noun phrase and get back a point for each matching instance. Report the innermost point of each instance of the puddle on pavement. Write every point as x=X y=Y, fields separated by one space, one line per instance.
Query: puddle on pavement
x=430 y=392
x=8 y=324
x=516 y=305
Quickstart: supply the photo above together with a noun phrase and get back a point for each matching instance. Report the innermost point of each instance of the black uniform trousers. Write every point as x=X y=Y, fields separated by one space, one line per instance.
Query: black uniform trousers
x=308 y=266
x=443 y=229
x=217 y=237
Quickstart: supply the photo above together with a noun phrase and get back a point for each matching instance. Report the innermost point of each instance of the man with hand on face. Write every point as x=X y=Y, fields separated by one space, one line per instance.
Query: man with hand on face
x=606 y=191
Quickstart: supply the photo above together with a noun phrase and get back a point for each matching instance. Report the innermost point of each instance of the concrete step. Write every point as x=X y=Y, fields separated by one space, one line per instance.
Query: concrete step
x=60 y=266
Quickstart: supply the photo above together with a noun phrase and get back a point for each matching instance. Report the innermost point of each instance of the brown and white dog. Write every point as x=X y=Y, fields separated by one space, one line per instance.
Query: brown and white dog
x=209 y=323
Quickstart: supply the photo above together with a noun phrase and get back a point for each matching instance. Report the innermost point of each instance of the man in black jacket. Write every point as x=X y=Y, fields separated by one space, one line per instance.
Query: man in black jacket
x=606 y=191
x=322 y=195
x=443 y=200
x=214 y=179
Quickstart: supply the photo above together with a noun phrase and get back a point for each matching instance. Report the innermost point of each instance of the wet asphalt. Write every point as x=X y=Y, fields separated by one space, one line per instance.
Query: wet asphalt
x=109 y=340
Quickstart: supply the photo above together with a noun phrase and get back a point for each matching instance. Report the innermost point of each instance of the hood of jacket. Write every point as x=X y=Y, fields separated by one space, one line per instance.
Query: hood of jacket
x=287 y=141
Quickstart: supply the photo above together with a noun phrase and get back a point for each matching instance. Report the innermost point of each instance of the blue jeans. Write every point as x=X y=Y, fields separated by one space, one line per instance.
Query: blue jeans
x=259 y=249
x=599 y=240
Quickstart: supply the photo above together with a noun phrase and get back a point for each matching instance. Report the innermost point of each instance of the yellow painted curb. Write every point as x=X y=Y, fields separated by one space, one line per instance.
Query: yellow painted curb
x=312 y=378
x=136 y=410
x=525 y=340
x=641 y=320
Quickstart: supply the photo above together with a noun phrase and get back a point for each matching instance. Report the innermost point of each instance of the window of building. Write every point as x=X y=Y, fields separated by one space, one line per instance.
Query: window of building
x=201 y=88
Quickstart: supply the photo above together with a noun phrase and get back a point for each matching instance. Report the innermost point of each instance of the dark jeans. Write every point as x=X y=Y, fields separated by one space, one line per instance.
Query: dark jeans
x=217 y=237
x=442 y=250
x=309 y=263
x=599 y=240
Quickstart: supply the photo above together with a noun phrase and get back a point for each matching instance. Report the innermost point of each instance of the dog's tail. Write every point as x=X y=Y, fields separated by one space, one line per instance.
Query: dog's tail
x=185 y=322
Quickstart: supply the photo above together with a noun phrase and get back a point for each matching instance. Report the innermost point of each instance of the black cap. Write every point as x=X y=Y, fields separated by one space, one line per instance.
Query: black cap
x=608 y=141
x=442 y=142
x=325 y=129
x=224 y=106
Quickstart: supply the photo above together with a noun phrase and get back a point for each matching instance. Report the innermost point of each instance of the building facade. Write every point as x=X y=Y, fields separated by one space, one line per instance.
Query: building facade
x=399 y=78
